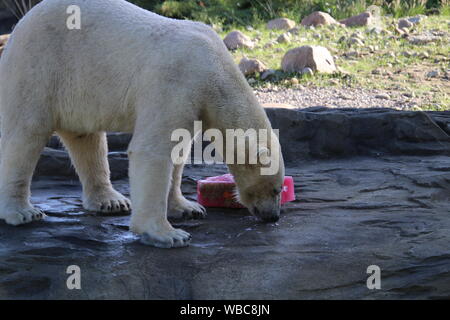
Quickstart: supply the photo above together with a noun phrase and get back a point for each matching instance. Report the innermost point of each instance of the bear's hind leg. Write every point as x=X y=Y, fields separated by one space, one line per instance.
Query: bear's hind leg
x=177 y=202
x=19 y=153
x=89 y=154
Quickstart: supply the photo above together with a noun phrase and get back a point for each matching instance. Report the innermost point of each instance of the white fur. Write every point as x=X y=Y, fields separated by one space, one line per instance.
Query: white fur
x=126 y=70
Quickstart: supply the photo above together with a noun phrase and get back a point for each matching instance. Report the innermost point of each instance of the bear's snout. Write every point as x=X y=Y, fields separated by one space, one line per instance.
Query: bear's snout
x=268 y=216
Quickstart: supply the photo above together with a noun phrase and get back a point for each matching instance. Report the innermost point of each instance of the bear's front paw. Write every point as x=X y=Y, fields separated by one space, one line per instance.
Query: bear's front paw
x=20 y=215
x=174 y=238
x=107 y=201
x=189 y=209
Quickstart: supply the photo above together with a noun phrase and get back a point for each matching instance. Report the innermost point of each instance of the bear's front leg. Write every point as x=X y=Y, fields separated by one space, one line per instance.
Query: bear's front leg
x=150 y=173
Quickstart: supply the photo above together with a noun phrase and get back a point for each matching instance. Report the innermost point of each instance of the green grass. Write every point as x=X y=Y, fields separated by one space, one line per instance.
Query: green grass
x=248 y=12
x=359 y=70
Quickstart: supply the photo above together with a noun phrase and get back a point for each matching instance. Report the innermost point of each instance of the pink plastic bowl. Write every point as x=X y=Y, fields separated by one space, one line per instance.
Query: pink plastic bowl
x=219 y=191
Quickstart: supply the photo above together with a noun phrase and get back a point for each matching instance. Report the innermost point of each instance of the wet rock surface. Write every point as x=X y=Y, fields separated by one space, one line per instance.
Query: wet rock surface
x=390 y=209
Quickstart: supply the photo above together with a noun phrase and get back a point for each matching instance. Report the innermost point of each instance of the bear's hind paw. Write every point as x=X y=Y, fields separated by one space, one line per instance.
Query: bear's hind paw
x=189 y=209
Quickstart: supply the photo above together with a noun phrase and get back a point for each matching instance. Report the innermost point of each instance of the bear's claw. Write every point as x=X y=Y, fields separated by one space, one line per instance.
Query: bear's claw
x=108 y=202
x=189 y=209
x=175 y=238
x=20 y=216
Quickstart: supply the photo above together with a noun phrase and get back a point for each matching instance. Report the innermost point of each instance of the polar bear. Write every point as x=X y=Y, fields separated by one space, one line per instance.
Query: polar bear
x=129 y=70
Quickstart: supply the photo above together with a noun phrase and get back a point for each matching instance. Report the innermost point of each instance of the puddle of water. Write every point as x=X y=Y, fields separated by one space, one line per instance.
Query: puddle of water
x=61 y=220
x=207 y=245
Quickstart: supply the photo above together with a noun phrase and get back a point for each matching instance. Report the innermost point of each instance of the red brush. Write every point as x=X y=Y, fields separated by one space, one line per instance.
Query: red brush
x=219 y=192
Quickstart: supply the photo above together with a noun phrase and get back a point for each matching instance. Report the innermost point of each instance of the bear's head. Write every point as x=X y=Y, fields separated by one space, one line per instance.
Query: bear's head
x=259 y=186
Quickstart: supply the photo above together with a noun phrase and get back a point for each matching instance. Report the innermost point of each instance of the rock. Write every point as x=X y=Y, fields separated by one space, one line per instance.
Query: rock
x=333 y=82
x=357 y=132
x=307 y=72
x=269 y=44
x=367 y=201
x=294 y=31
x=354 y=40
x=416 y=19
x=409 y=94
x=406 y=54
x=422 y=39
x=284 y=38
x=315 y=57
x=377 y=71
x=318 y=18
x=400 y=31
x=433 y=74
x=383 y=96
x=390 y=54
x=352 y=54
x=363 y=19
x=424 y=55
x=345 y=97
x=117 y=141
x=236 y=40
x=251 y=81
x=251 y=66
x=294 y=81
x=358 y=35
x=280 y=24
x=376 y=30
x=57 y=163
x=268 y=74
x=405 y=24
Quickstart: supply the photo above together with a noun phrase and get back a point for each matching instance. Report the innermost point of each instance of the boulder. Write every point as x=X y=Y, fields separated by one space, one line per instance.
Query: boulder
x=251 y=66
x=236 y=40
x=318 y=18
x=317 y=58
x=281 y=24
x=363 y=19
x=405 y=24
